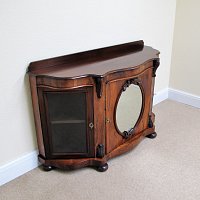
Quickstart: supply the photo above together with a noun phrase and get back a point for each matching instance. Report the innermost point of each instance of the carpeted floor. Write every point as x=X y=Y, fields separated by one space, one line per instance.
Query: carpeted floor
x=166 y=168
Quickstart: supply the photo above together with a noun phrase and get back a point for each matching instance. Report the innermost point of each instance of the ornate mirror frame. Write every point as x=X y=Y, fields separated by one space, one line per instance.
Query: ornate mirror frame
x=135 y=81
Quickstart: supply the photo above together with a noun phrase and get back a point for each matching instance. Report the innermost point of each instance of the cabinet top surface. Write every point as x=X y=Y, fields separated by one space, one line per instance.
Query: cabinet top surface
x=98 y=62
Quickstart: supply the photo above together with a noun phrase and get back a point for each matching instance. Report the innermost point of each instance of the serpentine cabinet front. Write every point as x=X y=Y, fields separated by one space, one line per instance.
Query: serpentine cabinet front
x=92 y=106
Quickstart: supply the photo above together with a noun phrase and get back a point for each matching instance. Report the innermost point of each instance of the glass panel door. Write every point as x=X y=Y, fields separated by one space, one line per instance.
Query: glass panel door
x=68 y=115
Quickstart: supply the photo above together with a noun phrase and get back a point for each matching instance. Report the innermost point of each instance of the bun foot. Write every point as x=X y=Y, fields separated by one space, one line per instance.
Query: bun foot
x=152 y=135
x=47 y=168
x=102 y=168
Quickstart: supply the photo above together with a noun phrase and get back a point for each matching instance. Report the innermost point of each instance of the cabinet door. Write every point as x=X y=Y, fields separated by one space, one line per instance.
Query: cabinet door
x=67 y=122
x=128 y=101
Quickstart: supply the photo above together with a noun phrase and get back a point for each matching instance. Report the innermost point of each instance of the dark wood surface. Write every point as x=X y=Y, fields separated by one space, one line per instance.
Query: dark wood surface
x=105 y=71
x=97 y=62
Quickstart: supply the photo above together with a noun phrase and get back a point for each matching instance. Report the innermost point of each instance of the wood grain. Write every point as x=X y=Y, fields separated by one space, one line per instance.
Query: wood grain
x=101 y=73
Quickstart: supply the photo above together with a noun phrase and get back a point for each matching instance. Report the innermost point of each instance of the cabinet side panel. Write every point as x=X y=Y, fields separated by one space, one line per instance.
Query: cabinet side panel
x=36 y=112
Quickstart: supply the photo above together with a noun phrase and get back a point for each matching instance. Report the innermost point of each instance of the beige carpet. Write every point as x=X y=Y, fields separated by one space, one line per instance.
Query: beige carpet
x=166 y=168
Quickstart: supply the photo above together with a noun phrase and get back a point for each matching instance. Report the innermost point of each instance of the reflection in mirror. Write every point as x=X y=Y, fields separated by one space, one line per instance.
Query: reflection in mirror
x=128 y=109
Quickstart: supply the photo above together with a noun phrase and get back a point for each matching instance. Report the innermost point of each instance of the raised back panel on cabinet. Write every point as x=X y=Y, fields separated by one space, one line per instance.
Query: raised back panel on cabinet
x=98 y=62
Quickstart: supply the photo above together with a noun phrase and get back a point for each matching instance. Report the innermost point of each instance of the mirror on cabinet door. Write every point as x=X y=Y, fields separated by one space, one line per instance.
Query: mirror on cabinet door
x=128 y=108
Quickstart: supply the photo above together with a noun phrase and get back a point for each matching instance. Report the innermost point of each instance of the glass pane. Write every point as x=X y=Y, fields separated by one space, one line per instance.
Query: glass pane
x=129 y=108
x=67 y=120
x=69 y=138
x=66 y=105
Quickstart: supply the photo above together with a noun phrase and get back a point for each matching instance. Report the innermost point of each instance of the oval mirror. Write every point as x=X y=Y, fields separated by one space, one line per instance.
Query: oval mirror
x=128 y=109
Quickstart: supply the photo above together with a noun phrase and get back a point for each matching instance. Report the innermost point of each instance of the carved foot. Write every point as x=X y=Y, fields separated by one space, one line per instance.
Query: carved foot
x=152 y=135
x=102 y=168
x=47 y=168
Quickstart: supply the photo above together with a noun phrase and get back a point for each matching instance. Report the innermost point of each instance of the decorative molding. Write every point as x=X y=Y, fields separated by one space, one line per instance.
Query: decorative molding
x=100 y=151
x=98 y=82
x=18 y=167
x=184 y=97
x=135 y=81
x=129 y=133
x=150 y=123
x=156 y=64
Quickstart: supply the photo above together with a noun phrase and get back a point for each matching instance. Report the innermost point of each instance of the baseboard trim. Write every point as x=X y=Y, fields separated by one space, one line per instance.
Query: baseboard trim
x=184 y=97
x=160 y=96
x=18 y=167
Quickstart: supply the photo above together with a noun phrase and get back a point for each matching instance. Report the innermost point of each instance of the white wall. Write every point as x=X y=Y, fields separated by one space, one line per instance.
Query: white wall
x=185 y=67
x=32 y=30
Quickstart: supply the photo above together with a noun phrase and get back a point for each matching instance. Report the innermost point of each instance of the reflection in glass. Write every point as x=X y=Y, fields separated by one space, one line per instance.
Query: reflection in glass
x=128 y=108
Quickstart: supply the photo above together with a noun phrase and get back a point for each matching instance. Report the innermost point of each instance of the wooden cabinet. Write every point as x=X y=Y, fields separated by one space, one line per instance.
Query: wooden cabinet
x=92 y=106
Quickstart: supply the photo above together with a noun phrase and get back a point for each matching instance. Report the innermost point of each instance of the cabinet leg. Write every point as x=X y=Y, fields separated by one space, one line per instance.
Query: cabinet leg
x=102 y=168
x=47 y=168
x=152 y=135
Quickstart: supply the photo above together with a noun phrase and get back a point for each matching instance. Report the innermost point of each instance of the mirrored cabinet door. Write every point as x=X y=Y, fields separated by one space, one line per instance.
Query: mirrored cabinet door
x=129 y=107
x=68 y=122
x=125 y=105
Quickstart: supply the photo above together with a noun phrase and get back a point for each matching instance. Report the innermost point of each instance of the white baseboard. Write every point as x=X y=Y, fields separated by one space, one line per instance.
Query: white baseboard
x=160 y=96
x=184 y=97
x=18 y=167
